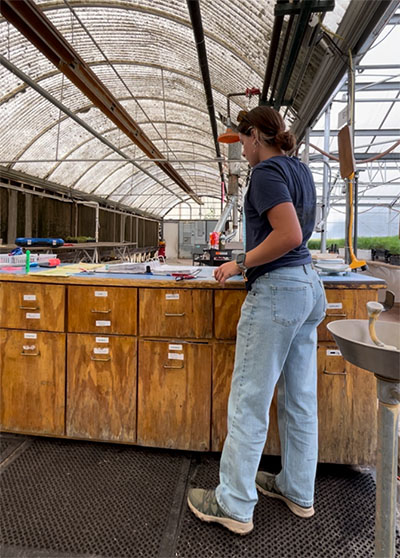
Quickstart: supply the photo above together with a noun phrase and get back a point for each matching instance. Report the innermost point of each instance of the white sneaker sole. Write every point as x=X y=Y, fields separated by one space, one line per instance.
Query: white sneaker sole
x=295 y=508
x=235 y=526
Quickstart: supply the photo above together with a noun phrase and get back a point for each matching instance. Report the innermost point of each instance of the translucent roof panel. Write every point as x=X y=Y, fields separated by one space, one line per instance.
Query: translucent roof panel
x=376 y=129
x=144 y=53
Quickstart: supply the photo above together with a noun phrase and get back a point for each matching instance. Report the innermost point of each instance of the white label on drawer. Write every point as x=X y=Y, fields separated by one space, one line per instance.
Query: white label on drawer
x=175 y=347
x=29 y=347
x=175 y=356
x=32 y=315
x=333 y=352
x=29 y=242
x=334 y=305
x=103 y=323
x=29 y=297
x=101 y=293
x=30 y=335
x=101 y=350
x=173 y=296
x=102 y=339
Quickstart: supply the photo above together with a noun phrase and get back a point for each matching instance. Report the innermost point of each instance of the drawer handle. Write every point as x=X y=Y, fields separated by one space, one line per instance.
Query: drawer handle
x=344 y=373
x=173 y=367
x=343 y=315
x=101 y=311
x=174 y=315
x=101 y=359
x=29 y=307
x=30 y=354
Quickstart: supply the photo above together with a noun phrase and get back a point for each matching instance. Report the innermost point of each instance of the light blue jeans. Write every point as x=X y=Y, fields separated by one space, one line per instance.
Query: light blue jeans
x=276 y=345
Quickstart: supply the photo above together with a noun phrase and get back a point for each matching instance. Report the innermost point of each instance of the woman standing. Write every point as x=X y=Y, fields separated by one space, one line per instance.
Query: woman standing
x=276 y=335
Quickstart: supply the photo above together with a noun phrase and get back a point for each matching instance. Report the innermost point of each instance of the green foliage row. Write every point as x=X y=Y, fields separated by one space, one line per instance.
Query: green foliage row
x=390 y=243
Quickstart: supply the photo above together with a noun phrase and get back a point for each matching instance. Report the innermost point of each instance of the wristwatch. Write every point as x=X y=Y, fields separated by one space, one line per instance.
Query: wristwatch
x=240 y=259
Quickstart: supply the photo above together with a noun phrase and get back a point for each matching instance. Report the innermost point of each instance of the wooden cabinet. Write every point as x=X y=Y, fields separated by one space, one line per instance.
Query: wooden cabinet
x=182 y=313
x=31 y=306
x=344 y=304
x=223 y=362
x=32 y=370
x=150 y=362
x=174 y=388
x=101 y=387
x=347 y=410
x=102 y=310
x=227 y=306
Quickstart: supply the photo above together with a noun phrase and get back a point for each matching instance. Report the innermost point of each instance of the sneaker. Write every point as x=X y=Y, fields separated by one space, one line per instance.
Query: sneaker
x=204 y=505
x=265 y=483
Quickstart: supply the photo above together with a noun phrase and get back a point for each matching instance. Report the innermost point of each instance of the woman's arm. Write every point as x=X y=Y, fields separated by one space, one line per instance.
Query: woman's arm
x=286 y=235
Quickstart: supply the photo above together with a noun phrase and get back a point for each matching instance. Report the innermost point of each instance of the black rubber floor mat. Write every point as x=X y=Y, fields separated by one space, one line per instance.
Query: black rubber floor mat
x=8 y=444
x=64 y=498
x=343 y=525
x=85 y=498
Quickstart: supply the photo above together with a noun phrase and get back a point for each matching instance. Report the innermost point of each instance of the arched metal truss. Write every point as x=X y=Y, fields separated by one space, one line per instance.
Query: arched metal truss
x=144 y=52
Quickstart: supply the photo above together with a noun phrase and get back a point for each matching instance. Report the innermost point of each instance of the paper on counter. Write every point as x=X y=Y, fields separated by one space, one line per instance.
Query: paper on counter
x=66 y=270
x=156 y=268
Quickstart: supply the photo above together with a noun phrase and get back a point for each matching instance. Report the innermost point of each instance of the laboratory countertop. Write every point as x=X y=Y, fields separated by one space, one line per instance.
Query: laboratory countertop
x=204 y=279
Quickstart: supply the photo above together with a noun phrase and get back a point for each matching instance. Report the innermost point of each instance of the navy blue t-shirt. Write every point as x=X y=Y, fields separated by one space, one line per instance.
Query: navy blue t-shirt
x=278 y=180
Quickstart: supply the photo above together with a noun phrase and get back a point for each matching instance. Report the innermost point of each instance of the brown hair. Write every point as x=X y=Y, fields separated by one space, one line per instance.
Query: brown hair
x=270 y=126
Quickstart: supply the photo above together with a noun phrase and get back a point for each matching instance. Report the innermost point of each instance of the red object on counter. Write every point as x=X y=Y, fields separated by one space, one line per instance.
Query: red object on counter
x=214 y=240
x=161 y=248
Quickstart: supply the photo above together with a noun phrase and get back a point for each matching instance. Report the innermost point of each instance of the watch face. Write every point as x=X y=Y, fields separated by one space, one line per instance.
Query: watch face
x=240 y=259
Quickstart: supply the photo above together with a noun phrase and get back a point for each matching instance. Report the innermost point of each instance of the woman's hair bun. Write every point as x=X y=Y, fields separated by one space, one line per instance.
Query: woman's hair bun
x=285 y=140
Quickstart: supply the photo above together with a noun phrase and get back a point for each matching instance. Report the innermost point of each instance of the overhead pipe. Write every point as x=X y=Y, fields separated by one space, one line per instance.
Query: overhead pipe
x=29 y=20
x=280 y=63
x=302 y=10
x=273 y=48
x=197 y=25
x=297 y=39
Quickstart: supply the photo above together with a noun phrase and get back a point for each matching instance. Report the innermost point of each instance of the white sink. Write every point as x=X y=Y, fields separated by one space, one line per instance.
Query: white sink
x=356 y=346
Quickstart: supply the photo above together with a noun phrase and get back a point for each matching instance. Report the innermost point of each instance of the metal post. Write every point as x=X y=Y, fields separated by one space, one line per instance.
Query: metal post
x=351 y=122
x=28 y=215
x=386 y=467
x=12 y=217
x=325 y=184
x=355 y=226
x=306 y=153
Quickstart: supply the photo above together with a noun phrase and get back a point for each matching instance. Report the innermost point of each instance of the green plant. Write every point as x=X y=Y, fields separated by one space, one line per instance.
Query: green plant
x=390 y=243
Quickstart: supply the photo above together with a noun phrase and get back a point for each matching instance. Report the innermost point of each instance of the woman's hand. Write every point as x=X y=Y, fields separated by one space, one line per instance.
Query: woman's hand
x=226 y=270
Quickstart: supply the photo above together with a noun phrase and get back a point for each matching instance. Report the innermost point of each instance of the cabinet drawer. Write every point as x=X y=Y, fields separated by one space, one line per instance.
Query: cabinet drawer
x=102 y=310
x=175 y=313
x=227 y=306
x=174 y=395
x=32 y=366
x=345 y=304
x=101 y=387
x=31 y=306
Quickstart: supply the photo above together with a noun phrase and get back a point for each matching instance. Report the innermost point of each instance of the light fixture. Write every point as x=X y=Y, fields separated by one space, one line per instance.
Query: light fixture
x=230 y=136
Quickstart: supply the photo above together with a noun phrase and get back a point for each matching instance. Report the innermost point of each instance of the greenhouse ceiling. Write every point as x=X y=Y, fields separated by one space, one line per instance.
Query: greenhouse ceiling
x=123 y=100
